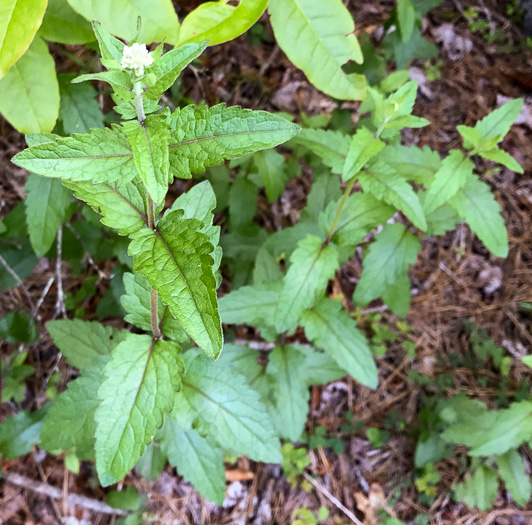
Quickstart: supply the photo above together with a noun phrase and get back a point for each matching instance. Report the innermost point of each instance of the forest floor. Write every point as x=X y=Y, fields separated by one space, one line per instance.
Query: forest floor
x=455 y=279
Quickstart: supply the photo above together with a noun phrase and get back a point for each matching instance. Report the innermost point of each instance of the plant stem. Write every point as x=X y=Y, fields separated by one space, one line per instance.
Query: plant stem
x=340 y=208
x=150 y=212
x=137 y=88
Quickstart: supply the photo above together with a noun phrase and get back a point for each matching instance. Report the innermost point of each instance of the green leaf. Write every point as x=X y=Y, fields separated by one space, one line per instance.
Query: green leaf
x=479 y=490
x=136 y=303
x=388 y=259
x=119 y=17
x=363 y=147
x=206 y=136
x=19 y=256
x=73 y=413
x=62 y=24
x=361 y=213
x=517 y=481
x=271 y=168
x=290 y=391
x=331 y=147
x=243 y=361
x=196 y=458
x=19 y=21
x=501 y=157
x=331 y=328
x=471 y=137
x=20 y=432
x=168 y=68
x=149 y=142
x=83 y=342
x=33 y=74
x=228 y=410
x=18 y=327
x=386 y=185
x=251 y=305
x=148 y=374
x=319 y=38
x=397 y=296
x=499 y=122
x=242 y=201
x=320 y=367
x=103 y=155
x=219 y=21
x=111 y=49
x=312 y=265
x=406 y=16
x=47 y=205
x=121 y=205
x=453 y=175
x=79 y=110
x=415 y=164
x=152 y=462
x=476 y=205
x=494 y=432
x=118 y=79
x=176 y=260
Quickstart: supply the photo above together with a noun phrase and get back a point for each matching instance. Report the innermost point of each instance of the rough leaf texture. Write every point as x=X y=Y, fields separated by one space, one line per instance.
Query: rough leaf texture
x=140 y=385
x=204 y=136
x=177 y=263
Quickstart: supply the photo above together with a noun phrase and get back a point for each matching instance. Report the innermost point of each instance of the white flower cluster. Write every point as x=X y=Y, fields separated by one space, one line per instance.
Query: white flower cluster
x=136 y=57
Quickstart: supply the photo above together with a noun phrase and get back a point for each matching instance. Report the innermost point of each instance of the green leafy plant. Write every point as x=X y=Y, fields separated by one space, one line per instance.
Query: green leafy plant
x=123 y=173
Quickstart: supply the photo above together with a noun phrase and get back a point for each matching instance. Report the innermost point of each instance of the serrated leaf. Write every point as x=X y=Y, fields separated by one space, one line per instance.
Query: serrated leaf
x=499 y=122
x=47 y=204
x=159 y=19
x=118 y=79
x=517 y=481
x=219 y=21
x=251 y=304
x=476 y=205
x=388 y=258
x=136 y=302
x=406 y=16
x=330 y=146
x=206 y=136
x=148 y=373
x=62 y=24
x=29 y=93
x=319 y=38
x=176 y=260
x=363 y=147
x=361 y=213
x=312 y=265
x=103 y=155
x=320 y=368
x=168 y=68
x=290 y=391
x=121 y=205
x=83 y=343
x=415 y=164
x=197 y=459
x=243 y=361
x=494 y=432
x=397 y=296
x=384 y=184
x=471 y=137
x=19 y=21
x=479 y=490
x=73 y=413
x=111 y=49
x=79 y=110
x=149 y=143
x=271 y=168
x=453 y=175
x=228 y=411
x=20 y=432
x=442 y=219
x=152 y=462
x=331 y=328
x=501 y=157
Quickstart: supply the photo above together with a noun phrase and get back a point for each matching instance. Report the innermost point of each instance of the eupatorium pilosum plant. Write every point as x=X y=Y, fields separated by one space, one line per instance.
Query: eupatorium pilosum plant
x=129 y=380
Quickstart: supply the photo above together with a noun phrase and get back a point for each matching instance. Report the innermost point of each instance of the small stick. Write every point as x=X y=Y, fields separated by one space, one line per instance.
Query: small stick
x=18 y=280
x=55 y=493
x=41 y=298
x=60 y=303
x=332 y=499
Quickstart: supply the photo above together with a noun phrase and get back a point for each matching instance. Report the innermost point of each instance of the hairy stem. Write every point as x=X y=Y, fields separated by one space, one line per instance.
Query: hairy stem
x=340 y=208
x=150 y=212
